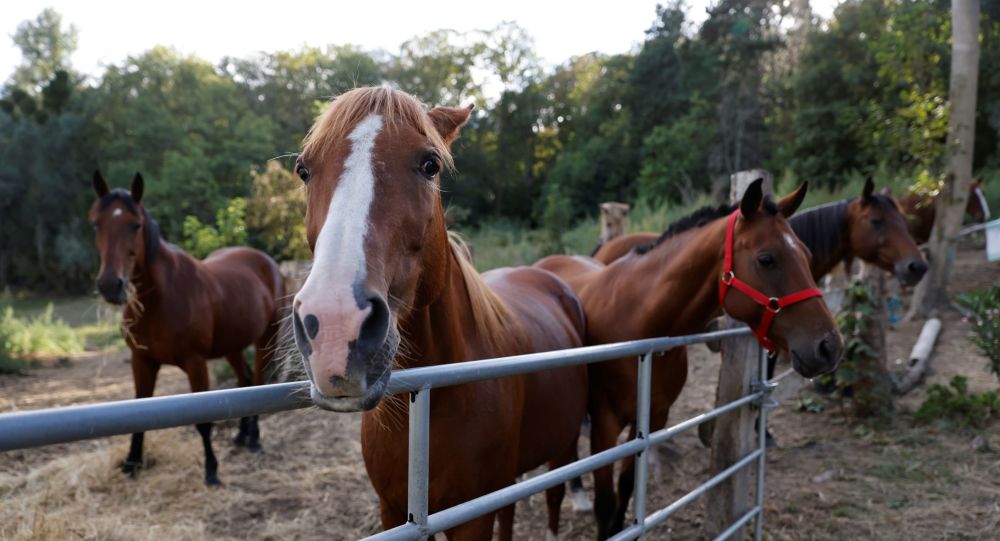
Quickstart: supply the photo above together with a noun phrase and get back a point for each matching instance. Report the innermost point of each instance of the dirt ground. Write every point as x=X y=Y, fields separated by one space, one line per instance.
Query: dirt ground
x=830 y=477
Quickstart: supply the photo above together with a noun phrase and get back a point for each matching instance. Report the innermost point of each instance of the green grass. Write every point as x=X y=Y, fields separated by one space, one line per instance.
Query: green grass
x=35 y=326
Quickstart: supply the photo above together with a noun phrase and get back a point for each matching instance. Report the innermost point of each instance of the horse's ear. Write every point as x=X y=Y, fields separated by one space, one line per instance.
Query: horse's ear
x=869 y=189
x=136 y=189
x=100 y=185
x=752 y=198
x=791 y=202
x=448 y=120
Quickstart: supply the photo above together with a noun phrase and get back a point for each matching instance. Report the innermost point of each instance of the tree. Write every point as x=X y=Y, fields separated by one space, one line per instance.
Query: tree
x=950 y=204
x=45 y=49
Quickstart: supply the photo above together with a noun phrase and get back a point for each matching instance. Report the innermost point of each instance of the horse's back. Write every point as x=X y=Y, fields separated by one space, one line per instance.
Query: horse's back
x=573 y=269
x=238 y=264
x=621 y=246
x=555 y=401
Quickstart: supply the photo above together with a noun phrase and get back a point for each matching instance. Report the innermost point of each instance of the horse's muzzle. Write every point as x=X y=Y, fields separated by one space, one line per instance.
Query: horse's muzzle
x=112 y=289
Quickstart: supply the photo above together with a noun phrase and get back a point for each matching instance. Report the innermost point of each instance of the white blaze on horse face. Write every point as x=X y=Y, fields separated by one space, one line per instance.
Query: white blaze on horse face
x=982 y=204
x=116 y=213
x=790 y=241
x=339 y=261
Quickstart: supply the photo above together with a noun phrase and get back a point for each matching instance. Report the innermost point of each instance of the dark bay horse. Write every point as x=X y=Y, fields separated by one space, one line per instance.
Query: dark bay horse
x=390 y=288
x=871 y=227
x=673 y=288
x=919 y=209
x=182 y=311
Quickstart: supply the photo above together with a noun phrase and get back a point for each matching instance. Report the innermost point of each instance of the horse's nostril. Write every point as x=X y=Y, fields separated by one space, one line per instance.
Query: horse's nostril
x=823 y=349
x=917 y=267
x=311 y=324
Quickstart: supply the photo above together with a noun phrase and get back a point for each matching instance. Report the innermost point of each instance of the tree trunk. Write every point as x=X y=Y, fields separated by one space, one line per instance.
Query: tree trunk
x=873 y=388
x=949 y=207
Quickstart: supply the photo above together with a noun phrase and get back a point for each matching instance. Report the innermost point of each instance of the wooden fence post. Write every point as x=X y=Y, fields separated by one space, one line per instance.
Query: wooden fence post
x=733 y=437
x=614 y=220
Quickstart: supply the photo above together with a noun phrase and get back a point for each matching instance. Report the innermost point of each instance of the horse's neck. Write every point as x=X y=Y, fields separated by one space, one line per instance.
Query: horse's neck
x=677 y=283
x=152 y=279
x=436 y=333
x=824 y=230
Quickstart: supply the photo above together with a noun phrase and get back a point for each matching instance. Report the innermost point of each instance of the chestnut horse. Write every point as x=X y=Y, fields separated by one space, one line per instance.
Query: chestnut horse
x=181 y=311
x=674 y=289
x=386 y=271
x=871 y=227
x=920 y=210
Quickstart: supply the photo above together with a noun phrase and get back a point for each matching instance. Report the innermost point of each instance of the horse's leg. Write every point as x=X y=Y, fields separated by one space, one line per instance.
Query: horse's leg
x=475 y=530
x=505 y=518
x=197 y=373
x=144 y=373
x=236 y=361
x=263 y=353
x=626 y=483
x=604 y=435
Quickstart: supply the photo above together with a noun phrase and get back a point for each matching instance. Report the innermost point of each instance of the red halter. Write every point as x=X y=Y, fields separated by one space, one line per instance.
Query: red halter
x=772 y=305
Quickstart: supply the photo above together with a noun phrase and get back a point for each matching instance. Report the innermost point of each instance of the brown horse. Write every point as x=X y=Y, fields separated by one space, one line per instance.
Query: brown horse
x=871 y=227
x=674 y=289
x=387 y=271
x=181 y=311
x=920 y=210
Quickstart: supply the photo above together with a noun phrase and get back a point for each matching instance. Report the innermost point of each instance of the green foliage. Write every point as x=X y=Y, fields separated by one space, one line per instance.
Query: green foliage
x=861 y=374
x=275 y=213
x=956 y=404
x=665 y=124
x=984 y=308
x=41 y=335
x=229 y=230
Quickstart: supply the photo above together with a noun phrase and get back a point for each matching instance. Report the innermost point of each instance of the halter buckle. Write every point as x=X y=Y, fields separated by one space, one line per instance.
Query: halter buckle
x=727 y=277
x=774 y=305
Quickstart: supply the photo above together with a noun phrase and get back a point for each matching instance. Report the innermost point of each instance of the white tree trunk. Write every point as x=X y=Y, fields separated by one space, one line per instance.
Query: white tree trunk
x=950 y=205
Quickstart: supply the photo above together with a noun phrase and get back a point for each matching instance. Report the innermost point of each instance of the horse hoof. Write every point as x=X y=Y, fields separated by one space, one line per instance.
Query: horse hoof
x=581 y=503
x=240 y=440
x=131 y=469
x=213 y=481
x=254 y=447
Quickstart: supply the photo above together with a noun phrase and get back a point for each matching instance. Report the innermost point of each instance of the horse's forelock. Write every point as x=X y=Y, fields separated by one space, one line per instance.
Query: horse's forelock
x=396 y=107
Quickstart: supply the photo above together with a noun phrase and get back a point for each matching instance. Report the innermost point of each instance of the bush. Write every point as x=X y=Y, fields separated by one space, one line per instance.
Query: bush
x=956 y=404
x=21 y=338
x=229 y=230
x=984 y=309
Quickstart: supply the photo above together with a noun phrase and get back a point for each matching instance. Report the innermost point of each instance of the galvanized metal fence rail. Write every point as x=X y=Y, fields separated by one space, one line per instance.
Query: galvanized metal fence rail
x=60 y=425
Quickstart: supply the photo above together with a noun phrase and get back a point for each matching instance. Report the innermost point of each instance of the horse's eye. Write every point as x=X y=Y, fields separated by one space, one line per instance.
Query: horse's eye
x=765 y=260
x=877 y=222
x=302 y=172
x=135 y=227
x=430 y=167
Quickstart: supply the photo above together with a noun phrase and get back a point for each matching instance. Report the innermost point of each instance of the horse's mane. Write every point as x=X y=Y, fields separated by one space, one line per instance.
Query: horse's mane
x=396 y=107
x=151 y=229
x=699 y=218
x=488 y=310
x=818 y=228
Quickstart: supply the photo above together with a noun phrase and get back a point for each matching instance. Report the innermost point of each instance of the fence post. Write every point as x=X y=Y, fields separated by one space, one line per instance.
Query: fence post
x=614 y=220
x=642 y=432
x=732 y=438
x=419 y=463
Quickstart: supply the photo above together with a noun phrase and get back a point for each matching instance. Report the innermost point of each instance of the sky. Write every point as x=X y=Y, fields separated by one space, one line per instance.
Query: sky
x=109 y=31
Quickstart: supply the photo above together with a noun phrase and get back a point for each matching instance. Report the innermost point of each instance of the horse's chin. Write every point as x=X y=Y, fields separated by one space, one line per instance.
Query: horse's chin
x=371 y=398
x=380 y=367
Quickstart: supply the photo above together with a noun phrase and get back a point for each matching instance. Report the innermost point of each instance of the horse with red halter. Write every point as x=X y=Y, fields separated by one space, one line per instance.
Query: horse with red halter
x=919 y=209
x=745 y=258
x=871 y=227
x=181 y=311
x=391 y=288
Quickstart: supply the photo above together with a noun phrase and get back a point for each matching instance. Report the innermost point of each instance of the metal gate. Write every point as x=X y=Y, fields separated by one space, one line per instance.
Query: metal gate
x=59 y=425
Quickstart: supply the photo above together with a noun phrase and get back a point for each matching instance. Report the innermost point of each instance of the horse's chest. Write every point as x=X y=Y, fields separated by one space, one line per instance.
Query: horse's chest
x=170 y=341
